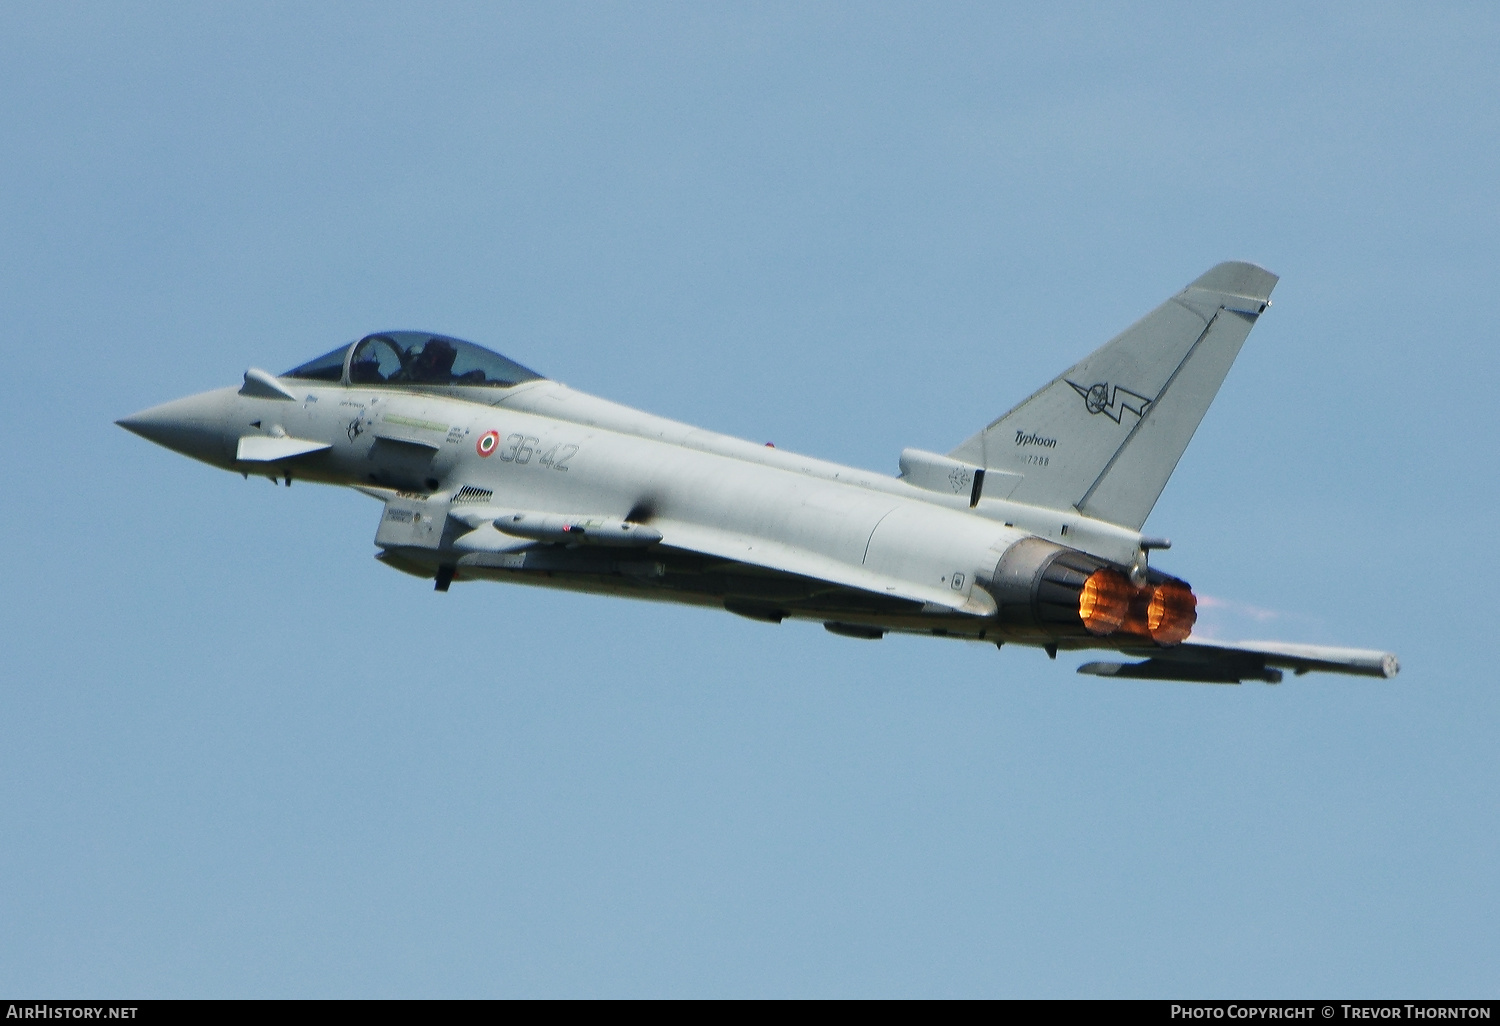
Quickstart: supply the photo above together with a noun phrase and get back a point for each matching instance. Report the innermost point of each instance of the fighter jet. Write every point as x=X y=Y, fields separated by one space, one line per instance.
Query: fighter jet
x=1027 y=533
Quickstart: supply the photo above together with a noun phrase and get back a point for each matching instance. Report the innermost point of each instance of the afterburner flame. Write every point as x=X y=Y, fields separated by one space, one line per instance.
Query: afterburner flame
x=1172 y=613
x=1104 y=602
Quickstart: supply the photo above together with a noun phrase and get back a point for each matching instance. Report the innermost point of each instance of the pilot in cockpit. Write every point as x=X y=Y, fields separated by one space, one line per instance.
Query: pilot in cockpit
x=418 y=358
x=433 y=365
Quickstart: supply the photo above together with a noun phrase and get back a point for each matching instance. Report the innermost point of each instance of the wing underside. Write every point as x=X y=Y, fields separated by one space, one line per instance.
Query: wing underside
x=668 y=560
x=1235 y=662
x=670 y=573
x=766 y=580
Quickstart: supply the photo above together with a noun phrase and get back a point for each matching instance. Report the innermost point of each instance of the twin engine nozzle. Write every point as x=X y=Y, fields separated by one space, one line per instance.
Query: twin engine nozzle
x=1063 y=592
x=1164 y=612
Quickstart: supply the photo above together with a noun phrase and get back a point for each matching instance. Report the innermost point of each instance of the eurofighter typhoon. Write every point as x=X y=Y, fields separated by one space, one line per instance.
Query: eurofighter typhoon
x=1027 y=533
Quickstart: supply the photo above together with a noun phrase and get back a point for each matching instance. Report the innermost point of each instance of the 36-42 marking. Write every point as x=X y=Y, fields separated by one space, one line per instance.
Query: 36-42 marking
x=519 y=449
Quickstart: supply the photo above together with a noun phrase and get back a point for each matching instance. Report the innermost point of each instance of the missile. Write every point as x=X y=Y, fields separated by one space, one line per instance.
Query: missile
x=577 y=530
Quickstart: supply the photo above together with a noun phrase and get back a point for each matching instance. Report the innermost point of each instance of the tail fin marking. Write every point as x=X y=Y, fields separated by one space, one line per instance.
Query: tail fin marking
x=1105 y=436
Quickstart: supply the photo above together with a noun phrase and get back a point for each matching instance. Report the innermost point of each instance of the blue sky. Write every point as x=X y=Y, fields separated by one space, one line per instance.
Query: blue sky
x=240 y=757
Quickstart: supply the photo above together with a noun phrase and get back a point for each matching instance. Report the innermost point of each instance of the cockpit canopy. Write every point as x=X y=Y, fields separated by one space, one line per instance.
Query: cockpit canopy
x=403 y=358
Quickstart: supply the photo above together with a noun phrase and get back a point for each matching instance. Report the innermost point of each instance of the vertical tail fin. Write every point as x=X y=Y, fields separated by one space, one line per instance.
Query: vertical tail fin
x=1105 y=435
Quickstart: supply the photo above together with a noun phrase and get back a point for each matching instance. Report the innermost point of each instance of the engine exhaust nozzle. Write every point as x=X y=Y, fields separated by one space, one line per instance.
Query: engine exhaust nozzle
x=1172 y=612
x=1104 y=602
x=1062 y=592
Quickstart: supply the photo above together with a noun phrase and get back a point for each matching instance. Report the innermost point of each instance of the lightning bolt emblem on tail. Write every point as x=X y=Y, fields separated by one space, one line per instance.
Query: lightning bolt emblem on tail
x=1112 y=403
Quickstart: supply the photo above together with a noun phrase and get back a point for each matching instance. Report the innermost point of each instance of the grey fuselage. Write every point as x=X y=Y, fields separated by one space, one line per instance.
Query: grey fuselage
x=754 y=529
x=1028 y=531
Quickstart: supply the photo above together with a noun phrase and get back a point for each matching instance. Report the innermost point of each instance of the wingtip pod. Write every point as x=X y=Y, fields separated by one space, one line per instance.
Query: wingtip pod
x=1237 y=278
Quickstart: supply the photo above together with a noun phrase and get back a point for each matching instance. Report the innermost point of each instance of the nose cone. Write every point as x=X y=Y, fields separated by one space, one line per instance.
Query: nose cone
x=194 y=426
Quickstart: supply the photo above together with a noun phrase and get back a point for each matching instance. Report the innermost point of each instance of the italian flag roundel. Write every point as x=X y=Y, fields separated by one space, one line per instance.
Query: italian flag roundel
x=487 y=442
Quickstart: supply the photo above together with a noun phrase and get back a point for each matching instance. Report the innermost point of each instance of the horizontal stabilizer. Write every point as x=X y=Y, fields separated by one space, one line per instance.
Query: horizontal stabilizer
x=269 y=449
x=1234 y=662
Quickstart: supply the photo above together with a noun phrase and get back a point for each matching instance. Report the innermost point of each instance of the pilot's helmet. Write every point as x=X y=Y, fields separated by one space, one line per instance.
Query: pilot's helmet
x=437 y=356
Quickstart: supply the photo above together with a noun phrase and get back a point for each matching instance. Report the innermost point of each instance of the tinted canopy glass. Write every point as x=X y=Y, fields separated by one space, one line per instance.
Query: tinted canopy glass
x=328 y=367
x=421 y=358
x=416 y=358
